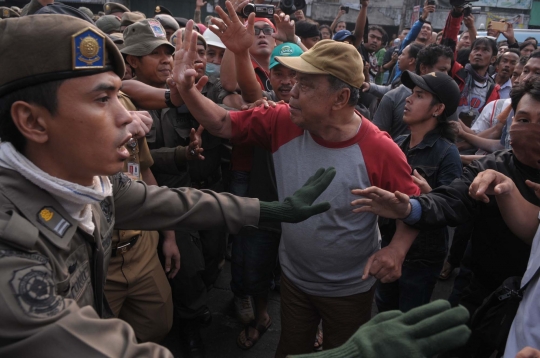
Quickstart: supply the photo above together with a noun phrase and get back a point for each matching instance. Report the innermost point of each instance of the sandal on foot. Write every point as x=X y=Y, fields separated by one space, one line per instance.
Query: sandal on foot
x=446 y=271
x=259 y=328
x=318 y=345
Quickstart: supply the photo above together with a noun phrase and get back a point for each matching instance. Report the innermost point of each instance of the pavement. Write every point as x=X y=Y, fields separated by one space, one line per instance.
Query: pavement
x=220 y=337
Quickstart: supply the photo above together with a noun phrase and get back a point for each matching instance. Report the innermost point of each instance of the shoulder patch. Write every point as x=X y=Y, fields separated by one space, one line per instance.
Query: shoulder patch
x=52 y=220
x=35 y=291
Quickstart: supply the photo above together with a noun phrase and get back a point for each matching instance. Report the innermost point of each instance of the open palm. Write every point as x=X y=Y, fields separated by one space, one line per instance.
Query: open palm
x=185 y=68
x=232 y=32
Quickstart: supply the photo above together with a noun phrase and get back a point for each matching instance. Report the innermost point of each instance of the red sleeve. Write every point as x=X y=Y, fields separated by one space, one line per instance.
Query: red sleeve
x=386 y=164
x=264 y=127
x=451 y=31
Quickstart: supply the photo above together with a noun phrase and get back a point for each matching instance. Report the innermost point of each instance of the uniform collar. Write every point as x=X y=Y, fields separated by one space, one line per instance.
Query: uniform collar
x=39 y=207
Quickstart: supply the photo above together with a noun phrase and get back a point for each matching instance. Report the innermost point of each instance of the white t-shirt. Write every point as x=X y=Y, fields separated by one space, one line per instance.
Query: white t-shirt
x=525 y=331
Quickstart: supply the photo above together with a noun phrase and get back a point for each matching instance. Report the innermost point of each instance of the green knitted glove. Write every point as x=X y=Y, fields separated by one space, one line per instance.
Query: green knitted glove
x=298 y=207
x=422 y=332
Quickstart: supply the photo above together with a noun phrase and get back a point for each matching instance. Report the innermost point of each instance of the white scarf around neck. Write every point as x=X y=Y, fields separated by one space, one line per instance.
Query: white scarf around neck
x=74 y=198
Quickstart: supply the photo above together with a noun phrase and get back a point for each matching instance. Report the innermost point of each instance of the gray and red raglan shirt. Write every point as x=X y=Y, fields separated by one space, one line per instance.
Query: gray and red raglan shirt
x=326 y=254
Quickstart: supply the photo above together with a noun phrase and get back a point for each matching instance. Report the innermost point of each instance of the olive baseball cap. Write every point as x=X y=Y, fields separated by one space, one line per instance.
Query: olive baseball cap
x=329 y=57
x=286 y=49
x=111 y=7
x=129 y=18
x=74 y=48
x=108 y=24
x=438 y=84
x=143 y=37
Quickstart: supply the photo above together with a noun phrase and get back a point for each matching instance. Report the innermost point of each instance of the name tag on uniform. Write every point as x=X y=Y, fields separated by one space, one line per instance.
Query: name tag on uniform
x=133 y=169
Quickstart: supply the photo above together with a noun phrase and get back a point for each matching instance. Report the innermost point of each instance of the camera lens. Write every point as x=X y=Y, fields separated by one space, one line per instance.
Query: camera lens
x=248 y=9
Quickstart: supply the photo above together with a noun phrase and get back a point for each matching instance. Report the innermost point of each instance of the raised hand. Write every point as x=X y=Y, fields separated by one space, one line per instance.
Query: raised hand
x=285 y=28
x=383 y=203
x=185 y=68
x=232 y=32
x=200 y=3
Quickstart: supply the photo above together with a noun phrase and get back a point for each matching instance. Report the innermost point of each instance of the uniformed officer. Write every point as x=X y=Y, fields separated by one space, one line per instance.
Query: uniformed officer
x=162 y=10
x=63 y=133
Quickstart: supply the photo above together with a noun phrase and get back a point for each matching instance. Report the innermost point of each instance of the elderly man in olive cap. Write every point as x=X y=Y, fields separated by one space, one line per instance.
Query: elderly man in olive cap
x=330 y=263
x=63 y=133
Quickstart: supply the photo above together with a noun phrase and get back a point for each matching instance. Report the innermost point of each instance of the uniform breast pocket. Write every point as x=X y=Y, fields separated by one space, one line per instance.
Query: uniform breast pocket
x=78 y=270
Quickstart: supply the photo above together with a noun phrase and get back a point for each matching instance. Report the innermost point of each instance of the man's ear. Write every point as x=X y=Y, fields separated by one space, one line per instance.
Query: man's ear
x=342 y=98
x=132 y=61
x=31 y=121
x=493 y=59
x=439 y=108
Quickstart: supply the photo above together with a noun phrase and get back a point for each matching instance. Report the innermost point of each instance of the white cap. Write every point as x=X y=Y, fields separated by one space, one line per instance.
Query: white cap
x=212 y=39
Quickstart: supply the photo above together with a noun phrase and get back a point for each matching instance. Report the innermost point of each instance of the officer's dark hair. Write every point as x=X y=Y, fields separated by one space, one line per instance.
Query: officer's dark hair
x=530 y=87
x=429 y=55
x=44 y=95
x=527 y=43
x=511 y=50
x=336 y=84
x=381 y=30
x=490 y=43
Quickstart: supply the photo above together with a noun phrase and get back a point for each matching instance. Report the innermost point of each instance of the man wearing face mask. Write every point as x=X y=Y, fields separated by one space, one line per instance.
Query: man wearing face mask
x=497 y=253
x=215 y=49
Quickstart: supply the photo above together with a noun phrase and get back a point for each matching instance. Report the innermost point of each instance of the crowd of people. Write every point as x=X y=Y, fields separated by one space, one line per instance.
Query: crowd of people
x=139 y=153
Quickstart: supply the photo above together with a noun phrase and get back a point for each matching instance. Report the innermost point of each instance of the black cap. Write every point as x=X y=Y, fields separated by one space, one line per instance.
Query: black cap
x=438 y=84
x=160 y=10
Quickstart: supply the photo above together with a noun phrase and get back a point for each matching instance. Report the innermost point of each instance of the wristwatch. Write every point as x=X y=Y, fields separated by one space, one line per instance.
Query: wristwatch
x=168 y=99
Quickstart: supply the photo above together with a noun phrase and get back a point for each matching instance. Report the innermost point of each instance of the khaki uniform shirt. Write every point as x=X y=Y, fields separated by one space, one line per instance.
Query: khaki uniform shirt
x=52 y=273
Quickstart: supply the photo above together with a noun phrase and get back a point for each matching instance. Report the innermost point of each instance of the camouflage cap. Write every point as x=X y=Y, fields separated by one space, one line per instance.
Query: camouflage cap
x=143 y=37
x=74 y=48
x=111 y=7
x=129 y=18
x=108 y=24
x=167 y=21
x=6 y=12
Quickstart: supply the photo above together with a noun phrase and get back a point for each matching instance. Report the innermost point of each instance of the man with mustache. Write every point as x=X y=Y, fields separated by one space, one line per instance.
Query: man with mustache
x=505 y=65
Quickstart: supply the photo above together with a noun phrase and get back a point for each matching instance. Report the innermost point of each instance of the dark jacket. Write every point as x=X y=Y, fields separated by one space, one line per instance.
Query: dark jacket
x=496 y=252
x=437 y=160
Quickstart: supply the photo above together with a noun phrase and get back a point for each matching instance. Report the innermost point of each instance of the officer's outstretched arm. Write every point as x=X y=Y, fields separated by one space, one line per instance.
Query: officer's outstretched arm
x=142 y=207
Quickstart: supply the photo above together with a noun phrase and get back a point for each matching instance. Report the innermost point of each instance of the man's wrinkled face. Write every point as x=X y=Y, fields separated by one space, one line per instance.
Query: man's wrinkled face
x=214 y=54
x=154 y=68
x=282 y=80
x=263 y=44
x=374 y=42
x=311 y=100
x=89 y=130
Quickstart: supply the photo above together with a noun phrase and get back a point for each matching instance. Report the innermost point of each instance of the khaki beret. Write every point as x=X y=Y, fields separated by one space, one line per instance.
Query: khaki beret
x=162 y=10
x=167 y=21
x=111 y=7
x=108 y=24
x=87 y=11
x=129 y=18
x=143 y=37
x=200 y=38
x=6 y=13
x=64 y=47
